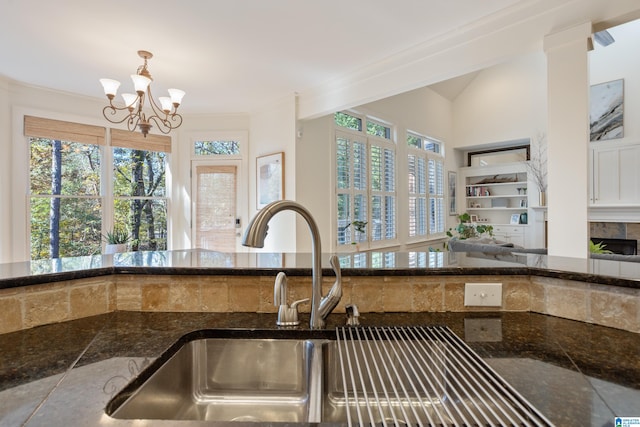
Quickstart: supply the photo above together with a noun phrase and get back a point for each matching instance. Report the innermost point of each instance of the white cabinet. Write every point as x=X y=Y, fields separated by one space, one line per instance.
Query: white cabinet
x=510 y=233
x=615 y=174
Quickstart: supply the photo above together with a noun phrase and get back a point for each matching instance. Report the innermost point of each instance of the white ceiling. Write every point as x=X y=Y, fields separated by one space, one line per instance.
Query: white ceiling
x=233 y=55
x=229 y=56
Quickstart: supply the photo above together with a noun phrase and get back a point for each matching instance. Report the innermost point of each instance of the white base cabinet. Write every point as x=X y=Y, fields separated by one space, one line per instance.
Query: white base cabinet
x=510 y=233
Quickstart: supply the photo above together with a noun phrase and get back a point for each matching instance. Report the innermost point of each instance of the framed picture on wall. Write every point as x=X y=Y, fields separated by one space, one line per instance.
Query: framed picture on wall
x=606 y=110
x=269 y=179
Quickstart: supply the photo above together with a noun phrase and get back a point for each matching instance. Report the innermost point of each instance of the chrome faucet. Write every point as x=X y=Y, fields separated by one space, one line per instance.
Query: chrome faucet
x=254 y=237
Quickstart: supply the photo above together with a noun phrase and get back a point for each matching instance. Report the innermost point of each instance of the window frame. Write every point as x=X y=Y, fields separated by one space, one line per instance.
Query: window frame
x=438 y=196
x=62 y=128
x=369 y=141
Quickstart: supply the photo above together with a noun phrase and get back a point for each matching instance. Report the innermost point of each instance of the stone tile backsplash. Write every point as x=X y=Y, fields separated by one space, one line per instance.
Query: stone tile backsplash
x=23 y=308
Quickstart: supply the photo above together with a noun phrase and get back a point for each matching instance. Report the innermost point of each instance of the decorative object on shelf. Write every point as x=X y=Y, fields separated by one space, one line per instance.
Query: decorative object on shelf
x=452 y=193
x=117 y=239
x=270 y=179
x=515 y=219
x=165 y=116
x=466 y=229
x=537 y=166
x=524 y=218
x=606 y=110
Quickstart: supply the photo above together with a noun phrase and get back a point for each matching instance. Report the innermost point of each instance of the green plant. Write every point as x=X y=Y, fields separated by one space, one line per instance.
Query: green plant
x=598 y=248
x=467 y=230
x=358 y=225
x=117 y=236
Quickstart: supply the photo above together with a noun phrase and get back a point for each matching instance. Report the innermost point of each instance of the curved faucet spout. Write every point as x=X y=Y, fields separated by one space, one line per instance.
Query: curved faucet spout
x=255 y=234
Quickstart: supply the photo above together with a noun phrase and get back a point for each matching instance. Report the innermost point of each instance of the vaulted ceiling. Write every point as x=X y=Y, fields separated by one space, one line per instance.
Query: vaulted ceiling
x=232 y=55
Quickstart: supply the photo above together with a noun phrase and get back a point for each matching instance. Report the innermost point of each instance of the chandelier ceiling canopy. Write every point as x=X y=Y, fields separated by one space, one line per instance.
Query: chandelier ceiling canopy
x=165 y=116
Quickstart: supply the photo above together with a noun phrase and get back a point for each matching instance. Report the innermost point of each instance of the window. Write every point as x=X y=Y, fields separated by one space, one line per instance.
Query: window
x=139 y=188
x=65 y=202
x=68 y=212
x=216 y=148
x=365 y=181
x=425 y=177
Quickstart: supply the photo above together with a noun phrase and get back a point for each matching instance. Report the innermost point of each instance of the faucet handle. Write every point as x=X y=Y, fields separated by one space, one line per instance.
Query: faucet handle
x=300 y=301
x=288 y=315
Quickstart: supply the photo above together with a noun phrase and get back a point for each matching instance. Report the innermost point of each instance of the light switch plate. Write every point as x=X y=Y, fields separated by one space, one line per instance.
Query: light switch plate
x=483 y=294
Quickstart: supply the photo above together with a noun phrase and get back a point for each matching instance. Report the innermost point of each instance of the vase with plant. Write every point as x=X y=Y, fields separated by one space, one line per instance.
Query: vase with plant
x=537 y=167
x=359 y=227
x=116 y=240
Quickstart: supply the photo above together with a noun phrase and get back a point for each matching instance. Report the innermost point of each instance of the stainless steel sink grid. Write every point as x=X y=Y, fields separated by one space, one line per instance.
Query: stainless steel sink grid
x=423 y=376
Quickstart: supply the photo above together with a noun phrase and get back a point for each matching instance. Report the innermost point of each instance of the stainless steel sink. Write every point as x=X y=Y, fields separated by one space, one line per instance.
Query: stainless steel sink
x=229 y=380
x=387 y=375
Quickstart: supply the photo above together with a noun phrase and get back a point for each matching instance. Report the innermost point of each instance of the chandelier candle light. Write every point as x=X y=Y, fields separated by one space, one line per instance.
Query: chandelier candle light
x=165 y=116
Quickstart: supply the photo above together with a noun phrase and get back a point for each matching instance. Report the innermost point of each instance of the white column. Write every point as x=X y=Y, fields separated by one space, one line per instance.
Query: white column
x=5 y=174
x=568 y=141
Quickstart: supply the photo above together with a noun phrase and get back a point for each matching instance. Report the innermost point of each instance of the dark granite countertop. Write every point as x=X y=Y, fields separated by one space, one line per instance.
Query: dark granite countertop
x=64 y=374
x=198 y=262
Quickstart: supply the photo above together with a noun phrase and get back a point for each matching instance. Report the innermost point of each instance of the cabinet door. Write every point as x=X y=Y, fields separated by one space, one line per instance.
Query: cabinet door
x=615 y=175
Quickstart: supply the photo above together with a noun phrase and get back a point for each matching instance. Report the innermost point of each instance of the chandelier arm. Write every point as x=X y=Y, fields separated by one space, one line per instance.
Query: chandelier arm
x=111 y=110
x=157 y=111
x=160 y=124
x=132 y=124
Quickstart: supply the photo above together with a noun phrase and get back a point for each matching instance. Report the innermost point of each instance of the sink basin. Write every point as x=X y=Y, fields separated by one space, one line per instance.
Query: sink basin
x=393 y=375
x=228 y=380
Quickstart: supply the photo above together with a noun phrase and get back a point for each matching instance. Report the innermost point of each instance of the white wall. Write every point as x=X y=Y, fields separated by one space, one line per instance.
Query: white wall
x=5 y=174
x=503 y=103
x=314 y=169
x=273 y=129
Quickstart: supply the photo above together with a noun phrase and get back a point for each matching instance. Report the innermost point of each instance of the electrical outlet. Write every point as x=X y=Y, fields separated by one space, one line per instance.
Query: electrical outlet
x=483 y=294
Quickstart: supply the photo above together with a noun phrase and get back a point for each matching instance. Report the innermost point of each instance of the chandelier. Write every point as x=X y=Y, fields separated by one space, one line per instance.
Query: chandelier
x=165 y=116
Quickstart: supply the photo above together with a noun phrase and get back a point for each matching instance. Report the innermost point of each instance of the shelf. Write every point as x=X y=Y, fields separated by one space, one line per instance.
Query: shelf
x=500 y=196
x=495 y=184
x=497 y=209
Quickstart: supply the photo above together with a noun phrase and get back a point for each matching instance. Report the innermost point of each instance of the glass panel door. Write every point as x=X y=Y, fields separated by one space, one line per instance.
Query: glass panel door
x=215 y=194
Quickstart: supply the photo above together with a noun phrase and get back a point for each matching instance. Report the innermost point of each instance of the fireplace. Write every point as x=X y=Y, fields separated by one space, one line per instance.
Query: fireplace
x=618 y=246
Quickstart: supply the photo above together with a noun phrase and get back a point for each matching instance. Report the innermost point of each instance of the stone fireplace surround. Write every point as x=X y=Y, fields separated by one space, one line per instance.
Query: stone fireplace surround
x=615 y=230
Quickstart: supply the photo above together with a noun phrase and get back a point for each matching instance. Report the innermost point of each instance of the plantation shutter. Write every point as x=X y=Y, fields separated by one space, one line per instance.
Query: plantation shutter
x=137 y=141
x=39 y=127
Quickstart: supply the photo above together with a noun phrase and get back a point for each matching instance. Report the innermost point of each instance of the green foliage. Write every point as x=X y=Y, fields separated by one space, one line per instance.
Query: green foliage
x=467 y=230
x=598 y=248
x=117 y=236
x=347 y=121
x=78 y=219
x=217 y=148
